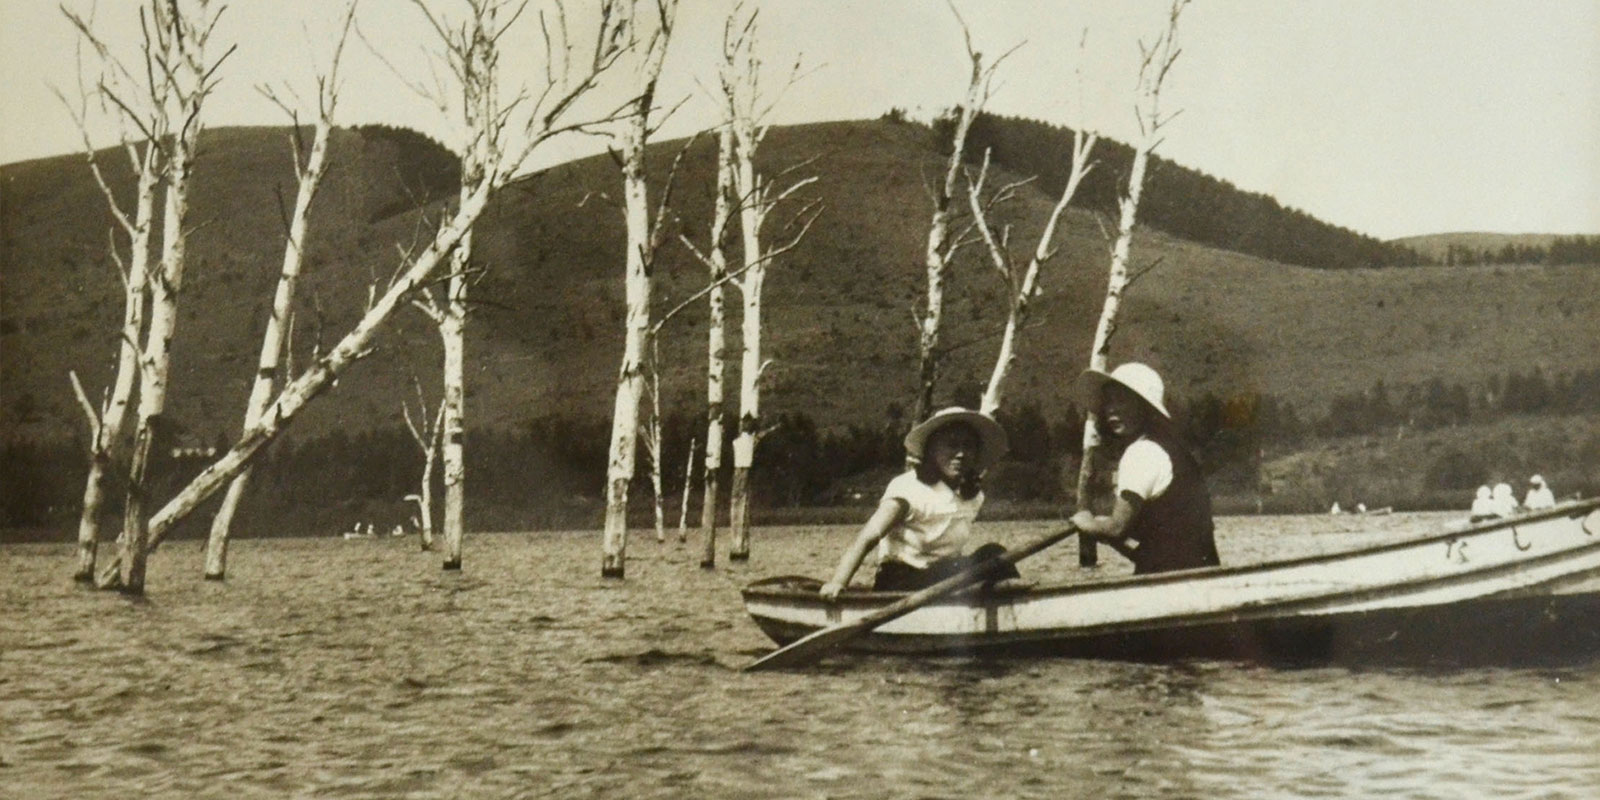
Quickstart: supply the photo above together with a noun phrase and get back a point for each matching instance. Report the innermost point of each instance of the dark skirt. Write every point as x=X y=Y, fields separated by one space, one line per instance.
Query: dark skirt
x=898 y=576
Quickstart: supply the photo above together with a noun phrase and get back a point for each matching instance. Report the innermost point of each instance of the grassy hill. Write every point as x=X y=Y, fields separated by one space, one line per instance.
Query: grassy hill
x=1434 y=245
x=547 y=336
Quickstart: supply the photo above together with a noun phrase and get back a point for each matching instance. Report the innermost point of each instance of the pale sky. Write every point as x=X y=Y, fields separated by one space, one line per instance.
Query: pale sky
x=1391 y=117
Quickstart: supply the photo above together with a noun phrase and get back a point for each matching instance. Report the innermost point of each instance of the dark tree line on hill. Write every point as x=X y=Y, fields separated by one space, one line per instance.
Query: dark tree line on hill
x=1562 y=250
x=541 y=474
x=1179 y=200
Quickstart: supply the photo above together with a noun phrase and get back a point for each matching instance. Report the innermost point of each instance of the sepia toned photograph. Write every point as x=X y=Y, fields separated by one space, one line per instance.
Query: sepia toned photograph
x=799 y=399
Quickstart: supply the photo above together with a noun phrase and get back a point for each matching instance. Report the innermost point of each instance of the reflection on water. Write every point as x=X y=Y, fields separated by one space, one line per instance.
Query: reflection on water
x=359 y=669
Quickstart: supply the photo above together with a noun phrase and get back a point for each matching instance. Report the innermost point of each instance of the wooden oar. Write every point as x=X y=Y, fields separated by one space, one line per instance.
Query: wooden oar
x=813 y=644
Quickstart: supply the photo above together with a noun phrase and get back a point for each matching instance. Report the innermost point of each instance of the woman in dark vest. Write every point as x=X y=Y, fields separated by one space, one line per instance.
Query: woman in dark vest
x=1161 y=519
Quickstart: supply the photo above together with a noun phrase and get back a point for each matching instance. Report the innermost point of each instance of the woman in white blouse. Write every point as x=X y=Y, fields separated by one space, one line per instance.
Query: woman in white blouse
x=924 y=521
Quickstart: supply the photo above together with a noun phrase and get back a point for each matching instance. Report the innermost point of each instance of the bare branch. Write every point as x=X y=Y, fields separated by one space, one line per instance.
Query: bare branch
x=88 y=407
x=1136 y=275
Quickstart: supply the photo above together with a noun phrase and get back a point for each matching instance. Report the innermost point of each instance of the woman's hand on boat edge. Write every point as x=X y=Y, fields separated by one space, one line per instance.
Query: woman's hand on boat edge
x=830 y=591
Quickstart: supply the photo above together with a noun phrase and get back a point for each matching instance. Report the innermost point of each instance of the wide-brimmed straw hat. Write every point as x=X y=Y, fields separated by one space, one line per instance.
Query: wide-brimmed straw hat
x=991 y=437
x=1537 y=479
x=1137 y=378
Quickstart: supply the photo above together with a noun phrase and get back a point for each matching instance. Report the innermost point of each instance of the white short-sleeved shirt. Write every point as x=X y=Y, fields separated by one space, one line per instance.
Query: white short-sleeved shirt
x=938 y=522
x=1541 y=497
x=1145 y=469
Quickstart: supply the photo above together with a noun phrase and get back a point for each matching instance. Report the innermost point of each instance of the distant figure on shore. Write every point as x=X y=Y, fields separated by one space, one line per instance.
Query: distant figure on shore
x=1505 y=503
x=1335 y=510
x=1539 y=494
x=1483 y=505
x=1361 y=508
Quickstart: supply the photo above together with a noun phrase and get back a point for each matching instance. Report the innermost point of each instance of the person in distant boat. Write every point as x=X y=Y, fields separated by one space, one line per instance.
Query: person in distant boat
x=1505 y=503
x=1483 y=505
x=1161 y=517
x=924 y=520
x=1539 y=494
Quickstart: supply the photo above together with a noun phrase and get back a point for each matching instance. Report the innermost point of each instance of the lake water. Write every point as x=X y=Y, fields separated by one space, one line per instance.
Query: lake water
x=332 y=668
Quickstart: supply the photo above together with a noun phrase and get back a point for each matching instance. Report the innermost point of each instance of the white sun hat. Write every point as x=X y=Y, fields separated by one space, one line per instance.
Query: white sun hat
x=1537 y=479
x=1136 y=377
x=991 y=437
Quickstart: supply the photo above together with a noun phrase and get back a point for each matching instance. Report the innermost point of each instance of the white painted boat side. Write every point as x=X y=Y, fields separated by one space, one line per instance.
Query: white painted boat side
x=1547 y=553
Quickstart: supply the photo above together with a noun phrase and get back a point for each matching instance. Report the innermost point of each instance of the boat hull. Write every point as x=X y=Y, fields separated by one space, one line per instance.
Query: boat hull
x=1525 y=590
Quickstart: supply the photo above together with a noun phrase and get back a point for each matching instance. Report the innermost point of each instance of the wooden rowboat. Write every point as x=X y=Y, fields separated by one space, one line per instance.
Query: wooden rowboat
x=1520 y=590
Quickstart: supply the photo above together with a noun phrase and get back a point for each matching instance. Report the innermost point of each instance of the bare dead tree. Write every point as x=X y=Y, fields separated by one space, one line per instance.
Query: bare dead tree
x=139 y=104
x=651 y=436
x=425 y=431
x=748 y=109
x=570 y=73
x=715 y=258
x=180 y=32
x=643 y=238
x=1023 y=285
x=309 y=169
x=944 y=240
x=471 y=51
x=1155 y=61
x=688 y=483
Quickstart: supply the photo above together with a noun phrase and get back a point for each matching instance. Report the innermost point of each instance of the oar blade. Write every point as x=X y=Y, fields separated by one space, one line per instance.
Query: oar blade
x=805 y=649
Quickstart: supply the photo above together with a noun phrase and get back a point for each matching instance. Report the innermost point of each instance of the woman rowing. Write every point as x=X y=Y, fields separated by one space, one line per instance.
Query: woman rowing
x=1161 y=516
x=924 y=520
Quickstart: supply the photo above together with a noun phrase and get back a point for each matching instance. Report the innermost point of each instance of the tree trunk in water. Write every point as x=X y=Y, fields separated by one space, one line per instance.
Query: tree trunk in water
x=312 y=382
x=425 y=513
x=630 y=377
x=744 y=446
x=156 y=361
x=716 y=342
x=751 y=215
x=273 y=341
x=739 y=508
x=89 y=520
x=222 y=527
x=111 y=430
x=135 y=533
x=688 y=484
x=656 y=443
x=452 y=444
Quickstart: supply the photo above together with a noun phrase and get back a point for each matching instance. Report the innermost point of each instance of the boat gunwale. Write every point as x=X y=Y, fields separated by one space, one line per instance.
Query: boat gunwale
x=765 y=588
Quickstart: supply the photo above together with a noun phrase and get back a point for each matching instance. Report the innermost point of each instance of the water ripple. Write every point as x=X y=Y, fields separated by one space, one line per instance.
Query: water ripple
x=360 y=669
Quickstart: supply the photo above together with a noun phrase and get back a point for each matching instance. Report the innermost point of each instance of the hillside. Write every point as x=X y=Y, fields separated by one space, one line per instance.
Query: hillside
x=548 y=335
x=1434 y=246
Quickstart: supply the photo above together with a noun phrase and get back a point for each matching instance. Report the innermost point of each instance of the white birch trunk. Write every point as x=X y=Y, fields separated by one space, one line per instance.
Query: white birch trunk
x=630 y=375
x=1023 y=295
x=1105 y=329
x=156 y=361
x=452 y=330
x=427 y=438
x=654 y=441
x=688 y=483
x=109 y=430
x=270 y=363
x=752 y=214
x=1153 y=69
x=744 y=444
x=430 y=457
x=936 y=256
x=313 y=381
x=566 y=83
x=716 y=343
